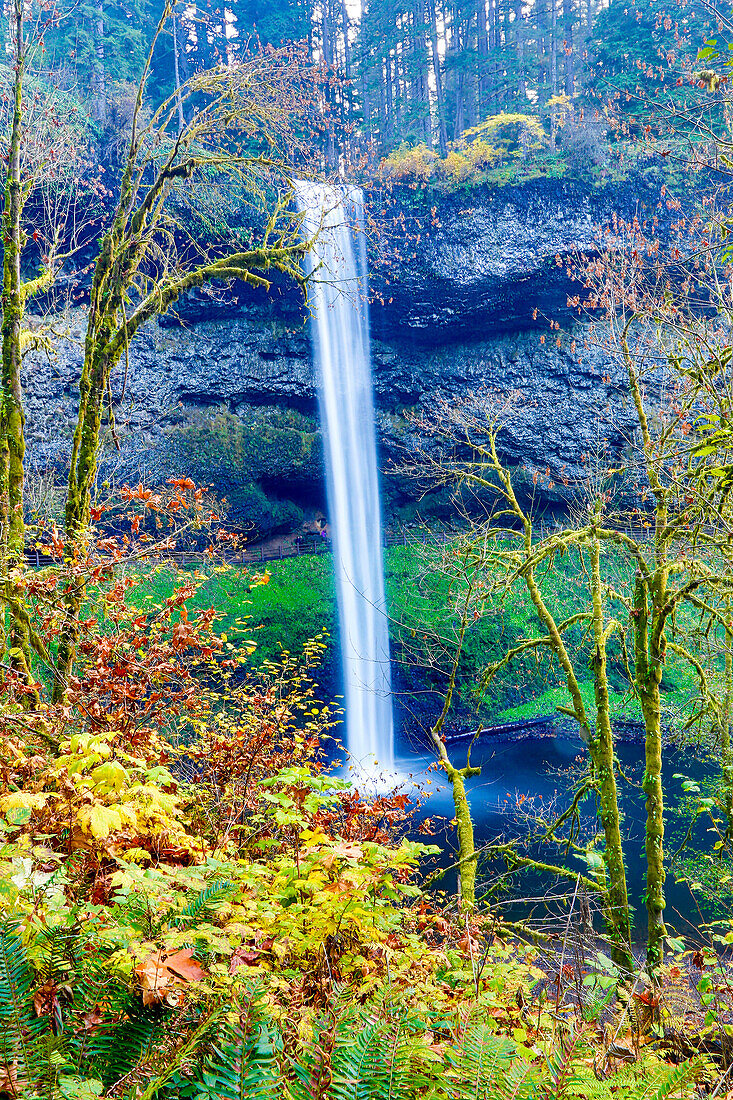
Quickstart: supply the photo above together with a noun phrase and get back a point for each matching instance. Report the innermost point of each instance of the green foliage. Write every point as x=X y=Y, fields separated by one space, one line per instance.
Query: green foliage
x=640 y=51
x=254 y=459
x=127 y=30
x=299 y=603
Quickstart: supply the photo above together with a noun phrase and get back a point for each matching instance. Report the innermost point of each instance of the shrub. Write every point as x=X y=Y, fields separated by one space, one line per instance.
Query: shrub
x=510 y=135
x=414 y=163
x=584 y=143
x=499 y=140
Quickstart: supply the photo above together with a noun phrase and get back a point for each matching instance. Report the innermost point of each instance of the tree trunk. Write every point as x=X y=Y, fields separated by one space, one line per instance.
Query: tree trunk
x=649 y=663
x=519 y=39
x=327 y=45
x=459 y=46
x=177 y=71
x=602 y=754
x=568 y=19
x=726 y=750
x=553 y=46
x=482 y=56
x=420 y=46
x=12 y=418
x=438 y=76
x=391 y=87
x=466 y=843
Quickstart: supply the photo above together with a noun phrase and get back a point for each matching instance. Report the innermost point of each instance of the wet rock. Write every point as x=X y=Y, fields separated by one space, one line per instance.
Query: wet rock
x=460 y=321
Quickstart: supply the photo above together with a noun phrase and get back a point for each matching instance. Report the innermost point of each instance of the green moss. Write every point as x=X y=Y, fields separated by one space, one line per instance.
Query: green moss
x=254 y=462
x=298 y=603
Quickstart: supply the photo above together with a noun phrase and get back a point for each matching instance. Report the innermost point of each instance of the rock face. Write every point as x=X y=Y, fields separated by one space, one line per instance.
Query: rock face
x=227 y=391
x=481 y=262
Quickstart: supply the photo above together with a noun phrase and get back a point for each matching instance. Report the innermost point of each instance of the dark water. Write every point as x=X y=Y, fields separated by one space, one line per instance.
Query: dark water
x=535 y=772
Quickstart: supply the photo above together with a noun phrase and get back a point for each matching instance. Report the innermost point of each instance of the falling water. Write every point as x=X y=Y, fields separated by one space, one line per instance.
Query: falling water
x=338 y=295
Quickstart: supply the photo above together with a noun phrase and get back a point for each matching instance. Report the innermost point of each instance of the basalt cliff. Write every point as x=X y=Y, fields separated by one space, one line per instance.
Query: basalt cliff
x=464 y=288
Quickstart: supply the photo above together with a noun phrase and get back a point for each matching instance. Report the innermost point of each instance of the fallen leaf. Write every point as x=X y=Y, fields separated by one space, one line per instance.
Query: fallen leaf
x=163 y=977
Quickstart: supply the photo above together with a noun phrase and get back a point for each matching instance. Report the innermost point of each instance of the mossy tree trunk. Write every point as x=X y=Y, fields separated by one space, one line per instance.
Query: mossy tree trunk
x=467 y=858
x=12 y=419
x=599 y=739
x=726 y=750
x=602 y=752
x=652 y=605
x=485 y=471
x=649 y=665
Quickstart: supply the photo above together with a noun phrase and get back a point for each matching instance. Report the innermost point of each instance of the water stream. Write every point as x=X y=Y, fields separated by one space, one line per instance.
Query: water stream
x=338 y=298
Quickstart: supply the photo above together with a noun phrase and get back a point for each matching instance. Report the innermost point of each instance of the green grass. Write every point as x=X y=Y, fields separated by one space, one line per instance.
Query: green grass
x=298 y=603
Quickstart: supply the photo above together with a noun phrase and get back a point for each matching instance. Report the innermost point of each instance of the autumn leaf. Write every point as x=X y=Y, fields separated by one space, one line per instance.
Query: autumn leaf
x=244 y=956
x=183 y=964
x=163 y=977
x=102 y=821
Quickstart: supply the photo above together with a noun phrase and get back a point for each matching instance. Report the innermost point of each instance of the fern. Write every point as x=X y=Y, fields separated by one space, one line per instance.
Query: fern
x=202 y=906
x=481 y=1063
x=31 y=1056
x=242 y=1065
x=118 y=1048
x=647 y=1080
x=189 y=1048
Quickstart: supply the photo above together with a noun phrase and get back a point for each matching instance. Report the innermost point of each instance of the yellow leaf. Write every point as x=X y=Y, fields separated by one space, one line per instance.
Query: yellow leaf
x=100 y=820
x=111 y=774
x=25 y=800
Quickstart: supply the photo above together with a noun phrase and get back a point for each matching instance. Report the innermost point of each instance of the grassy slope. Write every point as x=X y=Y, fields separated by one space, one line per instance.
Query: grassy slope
x=298 y=603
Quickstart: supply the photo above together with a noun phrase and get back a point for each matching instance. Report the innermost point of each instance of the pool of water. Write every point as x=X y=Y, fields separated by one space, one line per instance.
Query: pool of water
x=525 y=772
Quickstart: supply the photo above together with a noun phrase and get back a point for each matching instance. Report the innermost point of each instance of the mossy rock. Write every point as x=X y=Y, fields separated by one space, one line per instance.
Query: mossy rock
x=263 y=463
x=270 y=444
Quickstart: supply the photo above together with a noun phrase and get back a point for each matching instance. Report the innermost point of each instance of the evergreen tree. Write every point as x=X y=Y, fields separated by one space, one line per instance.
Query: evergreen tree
x=639 y=52
x=104 y=43
x=270 y=24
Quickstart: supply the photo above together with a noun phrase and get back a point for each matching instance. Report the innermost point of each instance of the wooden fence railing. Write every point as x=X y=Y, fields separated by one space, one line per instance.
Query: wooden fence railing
x=310 y=545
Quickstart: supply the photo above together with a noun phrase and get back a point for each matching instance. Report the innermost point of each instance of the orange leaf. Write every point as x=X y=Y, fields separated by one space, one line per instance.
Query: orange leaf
x=185 y=966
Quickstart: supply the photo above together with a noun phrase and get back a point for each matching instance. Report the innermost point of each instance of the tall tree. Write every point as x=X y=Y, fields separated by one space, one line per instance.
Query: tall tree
x=42 y=164
x=243 y=134
x=105 y=42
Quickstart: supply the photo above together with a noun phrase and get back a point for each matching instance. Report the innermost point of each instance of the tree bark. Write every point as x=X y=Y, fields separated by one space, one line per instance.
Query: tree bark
x=602 y=754
x=568 y=20
x=519 y=40
x=553 y=45
x=467 y=858
x=649 y=661
x=177 y=72
x=726 y=749
x=327 y=45
x=12 y=418
x=438 y=77
x=482 y=56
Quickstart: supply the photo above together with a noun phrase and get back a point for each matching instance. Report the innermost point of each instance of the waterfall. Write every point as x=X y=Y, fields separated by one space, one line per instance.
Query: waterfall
x=338 y=296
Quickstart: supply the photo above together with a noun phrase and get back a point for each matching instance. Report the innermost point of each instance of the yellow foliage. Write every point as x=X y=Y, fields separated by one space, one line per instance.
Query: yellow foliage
x=407 y=163
x=22 y=800
x=108 y=799
x=495 y=141
x=511 y=132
